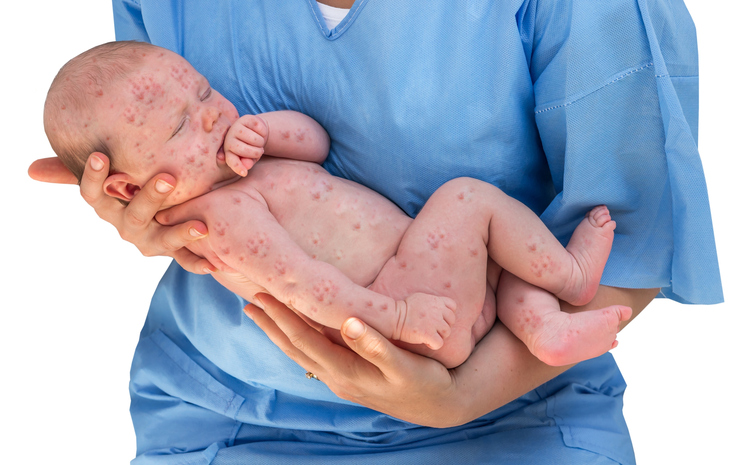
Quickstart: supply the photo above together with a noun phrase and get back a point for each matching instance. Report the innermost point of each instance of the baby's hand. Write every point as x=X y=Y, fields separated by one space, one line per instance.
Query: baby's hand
x=245 y=142
x=427 y=320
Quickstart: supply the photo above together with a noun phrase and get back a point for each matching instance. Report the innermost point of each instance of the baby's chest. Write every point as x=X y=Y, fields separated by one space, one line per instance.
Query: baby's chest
x=334 y=220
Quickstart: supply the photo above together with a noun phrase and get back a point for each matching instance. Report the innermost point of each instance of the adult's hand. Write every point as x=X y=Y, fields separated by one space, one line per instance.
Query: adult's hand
x=379 y=375
x=135 y=222
x=51 y=170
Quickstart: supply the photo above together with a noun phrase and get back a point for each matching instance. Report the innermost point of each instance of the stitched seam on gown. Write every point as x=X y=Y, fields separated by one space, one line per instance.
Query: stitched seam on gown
x=352 y=15
x=584 y=94
x=228 y=401
x=310 y=5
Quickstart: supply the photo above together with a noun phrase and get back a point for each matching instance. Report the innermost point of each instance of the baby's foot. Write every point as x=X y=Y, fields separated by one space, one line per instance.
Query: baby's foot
x=589 y=247
x=567 y=338
x=425 y=319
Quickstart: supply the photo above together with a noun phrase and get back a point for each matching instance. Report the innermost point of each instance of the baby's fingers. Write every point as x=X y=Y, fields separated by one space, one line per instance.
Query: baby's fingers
x=253 y=128
x=236 y=163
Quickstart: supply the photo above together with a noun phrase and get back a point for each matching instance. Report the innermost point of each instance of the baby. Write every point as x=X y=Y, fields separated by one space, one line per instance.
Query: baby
x=327 y=247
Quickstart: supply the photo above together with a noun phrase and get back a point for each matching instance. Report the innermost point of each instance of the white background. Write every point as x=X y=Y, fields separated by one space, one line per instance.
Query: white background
x=75 y=296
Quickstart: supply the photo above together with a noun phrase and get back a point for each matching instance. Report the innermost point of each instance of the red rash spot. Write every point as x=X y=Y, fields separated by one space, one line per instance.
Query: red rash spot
x=461 y=195
x=356 y=226
x=286 y=135
x=63 y=107
x=99 y=93
x=384 y=306
x=325 y=291
x=473 y=252
x=532 y=248
x=369 y=304
x=403 y=265
x=225 y=251
x=316 y=195
x=236 y=200
x=520 y=300
x=300 y=136
x=447 y=285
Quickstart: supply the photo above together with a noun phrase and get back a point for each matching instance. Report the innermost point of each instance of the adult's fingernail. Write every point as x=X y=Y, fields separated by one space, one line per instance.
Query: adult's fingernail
x=96 y=164
x=195 y=233
x=354 y=328
x=164 y=187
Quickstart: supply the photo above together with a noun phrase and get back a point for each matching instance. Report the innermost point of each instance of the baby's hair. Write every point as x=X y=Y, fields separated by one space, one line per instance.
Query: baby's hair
x=73 y=93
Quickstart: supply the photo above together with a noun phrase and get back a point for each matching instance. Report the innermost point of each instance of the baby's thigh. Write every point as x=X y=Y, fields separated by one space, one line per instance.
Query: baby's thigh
x=409 y=273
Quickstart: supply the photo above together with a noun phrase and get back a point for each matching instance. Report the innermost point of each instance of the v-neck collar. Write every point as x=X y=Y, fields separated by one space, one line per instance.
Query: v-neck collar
x=333 y=34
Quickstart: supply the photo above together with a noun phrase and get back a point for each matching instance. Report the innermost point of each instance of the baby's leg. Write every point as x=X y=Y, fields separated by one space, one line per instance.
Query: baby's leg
x=555 y=337
x=443 y=252
x=520 y=243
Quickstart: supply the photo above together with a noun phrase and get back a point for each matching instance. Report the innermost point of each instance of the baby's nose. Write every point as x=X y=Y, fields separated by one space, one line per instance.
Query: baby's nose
x=208 y=118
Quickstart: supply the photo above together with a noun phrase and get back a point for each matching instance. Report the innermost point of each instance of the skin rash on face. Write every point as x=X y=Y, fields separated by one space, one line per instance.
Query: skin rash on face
x=166 y=118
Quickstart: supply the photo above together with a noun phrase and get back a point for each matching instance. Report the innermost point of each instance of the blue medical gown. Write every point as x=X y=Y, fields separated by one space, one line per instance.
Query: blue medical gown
x=562 y=104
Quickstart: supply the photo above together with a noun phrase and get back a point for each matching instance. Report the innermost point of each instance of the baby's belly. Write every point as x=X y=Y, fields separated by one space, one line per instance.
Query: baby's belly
x=334 y=220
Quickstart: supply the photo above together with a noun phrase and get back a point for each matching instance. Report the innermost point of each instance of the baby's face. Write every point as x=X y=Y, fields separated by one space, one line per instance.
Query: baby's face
x=167 y=119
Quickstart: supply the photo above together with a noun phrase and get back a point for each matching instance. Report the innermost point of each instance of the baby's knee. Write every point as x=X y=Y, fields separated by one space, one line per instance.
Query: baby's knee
x=462 y=183
x=468 y=188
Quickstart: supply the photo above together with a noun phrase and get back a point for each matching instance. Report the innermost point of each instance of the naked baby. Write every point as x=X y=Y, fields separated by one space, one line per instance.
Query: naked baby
x=327 y=247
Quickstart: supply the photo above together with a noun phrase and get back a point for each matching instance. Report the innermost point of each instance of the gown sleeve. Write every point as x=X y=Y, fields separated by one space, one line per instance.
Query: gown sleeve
x=616 y=105
x=129 y=24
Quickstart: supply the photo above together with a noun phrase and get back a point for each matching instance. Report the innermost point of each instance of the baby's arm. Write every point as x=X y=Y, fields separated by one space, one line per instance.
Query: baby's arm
x=284 y=134
x=249 y=240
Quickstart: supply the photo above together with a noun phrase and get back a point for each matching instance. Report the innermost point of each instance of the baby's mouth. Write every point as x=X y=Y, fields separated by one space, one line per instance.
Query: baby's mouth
x=221 y=150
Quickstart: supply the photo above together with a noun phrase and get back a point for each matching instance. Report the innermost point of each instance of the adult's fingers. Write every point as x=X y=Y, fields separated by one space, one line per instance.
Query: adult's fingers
x=51 y=170
x=286 y=318
x=192 y=263
x=173 y=238
x=148 y=201
x=374 y=347
x=95 y=172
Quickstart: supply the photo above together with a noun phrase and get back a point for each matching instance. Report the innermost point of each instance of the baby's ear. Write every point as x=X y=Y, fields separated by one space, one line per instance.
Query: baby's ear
x=121 y=186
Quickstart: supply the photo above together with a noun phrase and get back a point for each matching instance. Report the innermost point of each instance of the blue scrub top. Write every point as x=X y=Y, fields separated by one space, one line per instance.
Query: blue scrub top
x=562 y=104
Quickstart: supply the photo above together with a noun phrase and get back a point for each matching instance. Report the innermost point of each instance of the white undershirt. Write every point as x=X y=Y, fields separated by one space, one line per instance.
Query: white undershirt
x=332 y=15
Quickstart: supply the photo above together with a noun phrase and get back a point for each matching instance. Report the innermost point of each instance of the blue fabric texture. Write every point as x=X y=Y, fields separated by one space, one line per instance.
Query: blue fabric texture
x=562 y=104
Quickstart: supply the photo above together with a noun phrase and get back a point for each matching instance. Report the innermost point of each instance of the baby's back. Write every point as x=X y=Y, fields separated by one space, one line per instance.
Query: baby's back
x=332 y=219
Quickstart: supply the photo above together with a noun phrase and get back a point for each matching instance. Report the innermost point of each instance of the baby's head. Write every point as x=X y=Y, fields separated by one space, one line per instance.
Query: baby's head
x=148 y=110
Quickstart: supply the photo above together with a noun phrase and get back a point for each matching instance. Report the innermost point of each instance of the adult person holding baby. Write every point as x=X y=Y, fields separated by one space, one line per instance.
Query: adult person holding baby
x=563 y=105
